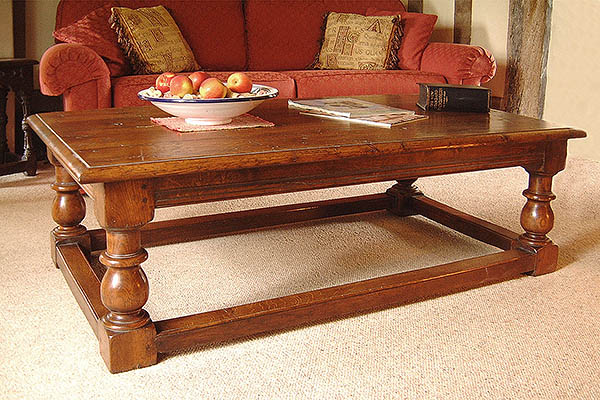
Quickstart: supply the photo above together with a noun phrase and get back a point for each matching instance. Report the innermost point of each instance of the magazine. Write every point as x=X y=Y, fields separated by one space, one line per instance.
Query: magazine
x=380 y=120
x=345 y=107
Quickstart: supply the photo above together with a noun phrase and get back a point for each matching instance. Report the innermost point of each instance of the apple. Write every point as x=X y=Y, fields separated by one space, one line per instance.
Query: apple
x=163 y=81
x=212 y=88
x=181 y=85
x=197 y=78
x=239 y=82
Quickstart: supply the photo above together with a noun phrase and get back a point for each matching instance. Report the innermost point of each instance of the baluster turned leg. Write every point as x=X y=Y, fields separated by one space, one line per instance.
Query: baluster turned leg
x=537 y=219
x=68 y=210
x=28 y=149
x=126 y=333
x=124 y=289
x=402 y=192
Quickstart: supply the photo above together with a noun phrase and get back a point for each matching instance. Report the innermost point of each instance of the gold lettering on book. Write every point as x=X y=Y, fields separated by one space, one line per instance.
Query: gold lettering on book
x=438 y=99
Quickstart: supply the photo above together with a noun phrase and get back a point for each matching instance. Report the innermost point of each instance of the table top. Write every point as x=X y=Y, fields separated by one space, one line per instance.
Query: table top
x=102 y=145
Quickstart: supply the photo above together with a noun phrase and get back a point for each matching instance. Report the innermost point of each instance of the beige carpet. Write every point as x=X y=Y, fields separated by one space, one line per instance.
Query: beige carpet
x=530 y=338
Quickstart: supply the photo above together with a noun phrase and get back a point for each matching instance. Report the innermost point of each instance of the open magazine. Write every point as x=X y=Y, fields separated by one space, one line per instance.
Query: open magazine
x=345 y=107
x=381 y=120
x=355 y=110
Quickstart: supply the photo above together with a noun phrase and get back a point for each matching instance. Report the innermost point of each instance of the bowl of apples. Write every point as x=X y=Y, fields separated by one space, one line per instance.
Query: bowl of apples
x=203 y=100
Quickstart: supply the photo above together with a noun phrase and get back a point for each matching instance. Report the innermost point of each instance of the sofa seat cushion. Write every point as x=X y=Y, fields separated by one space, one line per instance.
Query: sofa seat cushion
x=125 y=88
x=329 y=83
x=285 y=34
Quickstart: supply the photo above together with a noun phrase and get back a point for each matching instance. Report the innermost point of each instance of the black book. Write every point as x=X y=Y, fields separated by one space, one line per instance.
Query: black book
x=462 y=98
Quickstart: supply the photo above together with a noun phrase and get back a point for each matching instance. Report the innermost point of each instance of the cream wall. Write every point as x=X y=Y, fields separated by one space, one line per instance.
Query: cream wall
x=6 y=29
x=573 y=88
x=444 y=27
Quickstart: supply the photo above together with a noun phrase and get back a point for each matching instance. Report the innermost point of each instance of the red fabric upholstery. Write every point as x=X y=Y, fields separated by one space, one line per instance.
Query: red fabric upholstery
x=417 y=30
x=64 y=67
x=87 y=96
x=125 y=88
x=68 y=12
x=286 y=34
x=282 y=35
x=94 y=31
x=278 y=80
x=461 y=64
x=326 y=83
x=214 y=29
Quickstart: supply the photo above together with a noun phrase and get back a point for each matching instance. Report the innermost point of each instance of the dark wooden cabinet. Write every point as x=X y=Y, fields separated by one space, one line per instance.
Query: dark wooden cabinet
x=16 y=74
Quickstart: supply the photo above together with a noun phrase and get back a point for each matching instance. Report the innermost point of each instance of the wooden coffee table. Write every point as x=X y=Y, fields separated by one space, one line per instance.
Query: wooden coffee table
x=130 y=167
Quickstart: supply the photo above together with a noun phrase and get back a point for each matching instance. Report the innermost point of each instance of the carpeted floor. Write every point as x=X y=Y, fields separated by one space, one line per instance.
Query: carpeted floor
x=530 y=338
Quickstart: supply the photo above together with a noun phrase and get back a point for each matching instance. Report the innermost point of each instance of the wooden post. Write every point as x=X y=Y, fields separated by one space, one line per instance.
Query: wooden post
x=463 y=11
x=415 y=6
x=528 y=42
x=19 y=23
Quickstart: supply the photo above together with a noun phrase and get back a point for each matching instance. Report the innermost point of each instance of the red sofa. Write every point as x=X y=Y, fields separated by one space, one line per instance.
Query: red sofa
x=274 y=40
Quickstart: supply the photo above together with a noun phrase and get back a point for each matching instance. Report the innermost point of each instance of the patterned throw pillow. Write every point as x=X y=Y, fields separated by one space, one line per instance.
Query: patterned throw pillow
x=152 y=40
x=352 y=41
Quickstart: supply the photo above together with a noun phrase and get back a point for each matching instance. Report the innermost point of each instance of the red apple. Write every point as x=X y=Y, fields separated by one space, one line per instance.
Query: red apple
x=212 y=88
x=181 y=85
x=239 y=82
x=163 y=81
x=197 y=78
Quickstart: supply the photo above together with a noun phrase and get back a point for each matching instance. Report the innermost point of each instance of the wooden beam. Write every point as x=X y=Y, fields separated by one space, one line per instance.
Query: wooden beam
x=216 y=225
x=338 y=301
x=528 y=43
x=415 y=6
x=459 y=221
x=18 y=17
x=463 y=12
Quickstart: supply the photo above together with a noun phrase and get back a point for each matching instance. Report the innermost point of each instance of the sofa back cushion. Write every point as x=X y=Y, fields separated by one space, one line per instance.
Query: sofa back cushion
x=417 y=29
x=214 y=29
x=285 y=34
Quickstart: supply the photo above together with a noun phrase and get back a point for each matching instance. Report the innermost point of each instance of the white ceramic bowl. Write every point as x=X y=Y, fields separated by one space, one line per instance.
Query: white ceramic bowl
x=211 y=111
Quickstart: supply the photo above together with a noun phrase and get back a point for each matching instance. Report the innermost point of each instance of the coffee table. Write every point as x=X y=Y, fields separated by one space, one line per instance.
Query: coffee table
x=130 y=167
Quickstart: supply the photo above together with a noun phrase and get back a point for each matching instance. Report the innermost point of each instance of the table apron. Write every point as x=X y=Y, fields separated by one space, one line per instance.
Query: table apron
x=222 y=185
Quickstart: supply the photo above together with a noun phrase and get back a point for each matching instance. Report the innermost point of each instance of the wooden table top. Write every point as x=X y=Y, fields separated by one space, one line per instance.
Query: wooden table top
x=99 y=145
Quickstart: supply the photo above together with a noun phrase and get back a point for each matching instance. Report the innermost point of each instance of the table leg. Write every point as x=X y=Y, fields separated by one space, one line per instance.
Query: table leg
x=127 y=340
x=402 y=192
x=126 y=333
x=3 y=122
x=537 y=217
x=68 y=210
x=28 y=149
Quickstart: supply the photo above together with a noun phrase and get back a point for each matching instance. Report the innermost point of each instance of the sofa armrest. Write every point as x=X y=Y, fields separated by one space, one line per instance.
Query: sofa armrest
x=77 y=73
x=460 y=64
